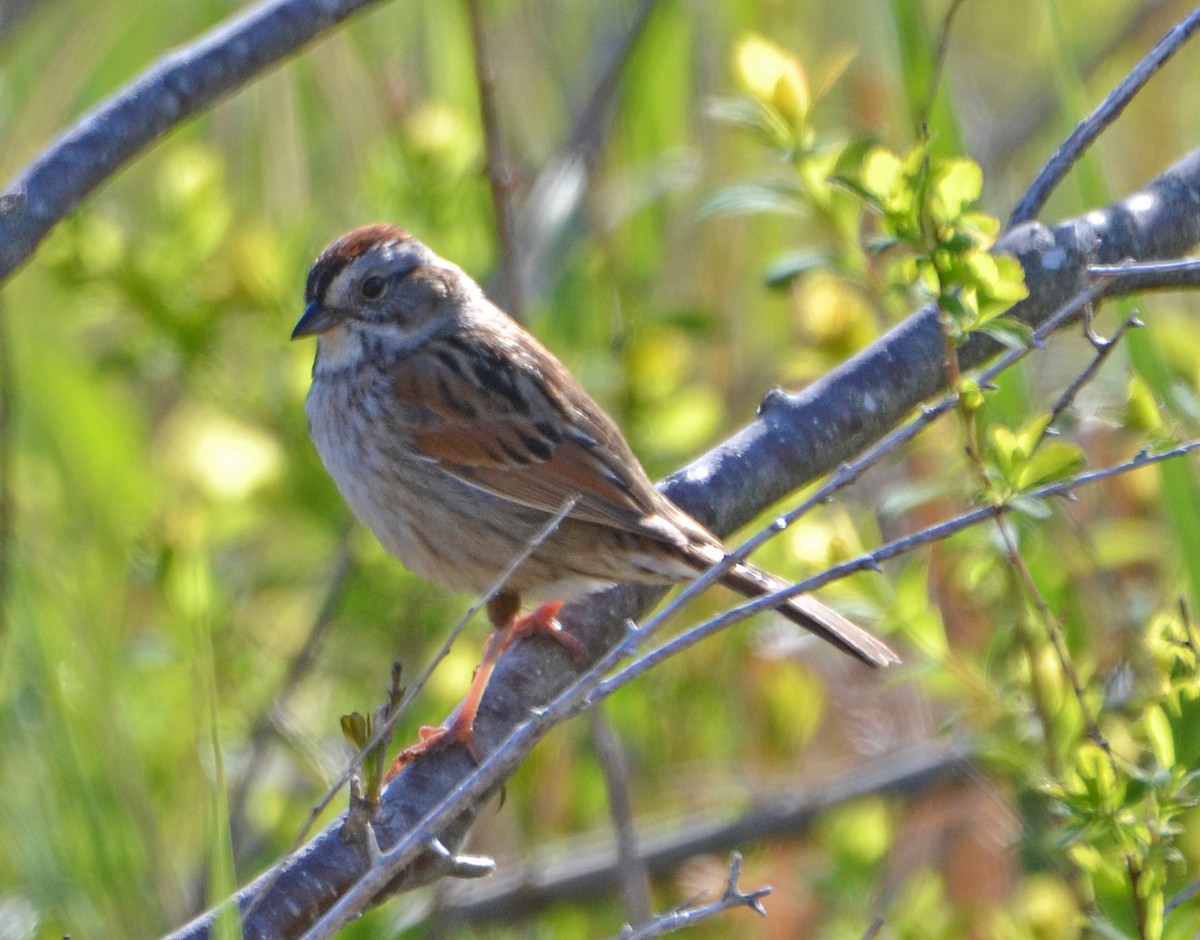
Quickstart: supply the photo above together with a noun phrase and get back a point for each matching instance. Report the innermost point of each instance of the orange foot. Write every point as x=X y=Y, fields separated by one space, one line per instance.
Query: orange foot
x=461 y=728
x=543 y=619
x=431 y=738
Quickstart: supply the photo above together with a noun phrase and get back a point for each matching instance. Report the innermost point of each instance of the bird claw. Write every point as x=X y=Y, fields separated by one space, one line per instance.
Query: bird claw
x=461 y=728
x=433 y=738
x=544 y=620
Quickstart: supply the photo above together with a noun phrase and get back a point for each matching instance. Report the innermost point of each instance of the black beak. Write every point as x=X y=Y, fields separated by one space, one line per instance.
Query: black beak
x=316 y=320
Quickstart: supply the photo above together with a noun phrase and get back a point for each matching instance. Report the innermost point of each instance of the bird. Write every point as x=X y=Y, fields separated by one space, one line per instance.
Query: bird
x=455 y=436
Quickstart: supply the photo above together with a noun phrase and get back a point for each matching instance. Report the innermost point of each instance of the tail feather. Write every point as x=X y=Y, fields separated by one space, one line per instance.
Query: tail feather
x=814 y=616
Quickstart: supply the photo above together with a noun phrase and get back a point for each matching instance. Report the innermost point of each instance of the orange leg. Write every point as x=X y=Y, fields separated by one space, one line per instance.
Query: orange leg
x=509 y=628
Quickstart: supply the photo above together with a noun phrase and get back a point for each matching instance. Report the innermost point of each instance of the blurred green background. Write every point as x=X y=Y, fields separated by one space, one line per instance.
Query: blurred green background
x=172 y=541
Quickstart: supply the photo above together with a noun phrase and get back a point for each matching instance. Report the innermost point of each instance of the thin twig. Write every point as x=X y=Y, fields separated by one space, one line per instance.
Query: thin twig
x=733 y=896
x=467 y=791
x=939 y=64
x=262 y=733
x=1071 y=392
x=500 y=178
x=850 y=472
x=873 y=931
x=635 y=880
x=493 y=589
x=1185 y=895
x=385 y=728
x=1052 y=627
x=7 y=450
x=1145 y=267
x=1090 y=128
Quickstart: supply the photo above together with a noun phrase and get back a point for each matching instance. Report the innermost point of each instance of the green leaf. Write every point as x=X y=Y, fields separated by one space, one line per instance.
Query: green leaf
x=1003 y=287
x=1010 y=332
x=959 y=183
x=970 y=393
x=1142 y=410
x=1006 y=447
x=772 y=75
x=1037 y=509
x=356 y=730
x=786 y=268
x=1094 y=779
x=755 y=117
x=884 y=176
x=1053 y=460
x=855 y=186
x=1158 y=732
x=755 y=198
x=1032 y=432
x=850 y=159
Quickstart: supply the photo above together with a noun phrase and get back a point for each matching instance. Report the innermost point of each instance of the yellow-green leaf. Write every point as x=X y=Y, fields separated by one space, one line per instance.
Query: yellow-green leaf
x=1053 y=460
x=883 y=175
x=356 y=730
x=1158 y=732
x=773 y=77
x=1141 y=409
x=958 y=185
x=970 y=394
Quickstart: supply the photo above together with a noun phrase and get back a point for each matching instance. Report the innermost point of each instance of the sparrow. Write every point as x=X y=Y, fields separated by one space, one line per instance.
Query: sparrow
x=455 y=437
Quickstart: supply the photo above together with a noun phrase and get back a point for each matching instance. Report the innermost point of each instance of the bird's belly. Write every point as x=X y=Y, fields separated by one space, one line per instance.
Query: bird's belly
x=442 y=529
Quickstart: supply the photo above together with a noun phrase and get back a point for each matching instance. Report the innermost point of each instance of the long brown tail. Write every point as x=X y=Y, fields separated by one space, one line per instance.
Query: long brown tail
x=814 y=616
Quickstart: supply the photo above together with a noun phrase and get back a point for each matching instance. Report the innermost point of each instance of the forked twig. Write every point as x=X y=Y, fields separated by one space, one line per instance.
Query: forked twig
x=692 y=913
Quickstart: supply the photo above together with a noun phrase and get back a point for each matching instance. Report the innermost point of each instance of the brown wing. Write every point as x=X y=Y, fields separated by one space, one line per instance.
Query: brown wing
x=508 y=418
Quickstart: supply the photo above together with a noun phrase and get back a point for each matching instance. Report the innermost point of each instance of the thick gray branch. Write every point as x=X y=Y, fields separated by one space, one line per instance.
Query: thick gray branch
x=177 y=87
x=799 y=437
x=795 y=439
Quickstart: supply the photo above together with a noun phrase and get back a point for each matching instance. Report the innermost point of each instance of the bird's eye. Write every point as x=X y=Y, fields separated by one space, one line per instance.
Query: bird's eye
x=373 y=287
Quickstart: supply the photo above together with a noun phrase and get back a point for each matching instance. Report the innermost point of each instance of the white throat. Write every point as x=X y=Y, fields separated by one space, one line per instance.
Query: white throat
x=338 y=349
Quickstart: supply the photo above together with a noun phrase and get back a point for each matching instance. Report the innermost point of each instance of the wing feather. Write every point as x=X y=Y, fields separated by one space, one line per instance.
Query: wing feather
x=517 y=425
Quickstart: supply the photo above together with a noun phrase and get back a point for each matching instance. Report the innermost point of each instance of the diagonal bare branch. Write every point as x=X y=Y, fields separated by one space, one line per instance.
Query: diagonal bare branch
x=1091 y=127
x=179 y=86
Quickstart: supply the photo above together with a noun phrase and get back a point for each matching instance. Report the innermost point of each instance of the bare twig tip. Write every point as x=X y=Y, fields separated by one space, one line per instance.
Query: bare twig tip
x=735 y=896
x=471 y=866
